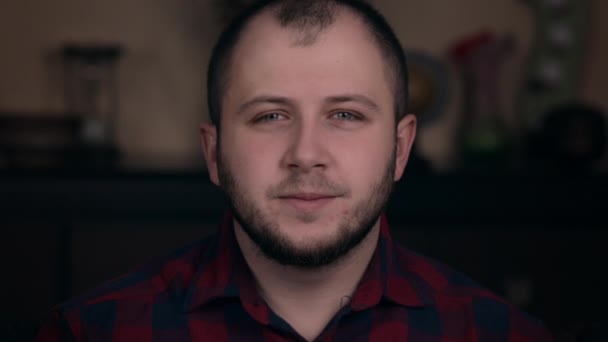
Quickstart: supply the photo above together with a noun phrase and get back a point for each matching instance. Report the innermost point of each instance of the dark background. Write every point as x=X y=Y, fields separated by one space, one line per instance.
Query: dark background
x=524 y=218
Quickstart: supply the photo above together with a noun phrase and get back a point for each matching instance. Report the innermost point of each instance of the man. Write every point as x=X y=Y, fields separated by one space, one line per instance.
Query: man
x=310 y=131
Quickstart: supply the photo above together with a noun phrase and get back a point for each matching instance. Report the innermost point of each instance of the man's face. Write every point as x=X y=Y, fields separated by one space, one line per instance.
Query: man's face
x=308 y=152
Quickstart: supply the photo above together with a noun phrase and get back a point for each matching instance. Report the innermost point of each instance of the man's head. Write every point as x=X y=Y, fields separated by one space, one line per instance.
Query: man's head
x=314 y=130
x=309 y=18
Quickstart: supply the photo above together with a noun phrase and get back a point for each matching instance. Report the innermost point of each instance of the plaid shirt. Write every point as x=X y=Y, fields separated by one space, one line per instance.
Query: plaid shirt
x=205 y=292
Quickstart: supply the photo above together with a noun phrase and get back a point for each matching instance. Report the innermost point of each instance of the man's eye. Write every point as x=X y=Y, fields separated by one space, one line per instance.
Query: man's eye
x=269 y=117
x=348 y=116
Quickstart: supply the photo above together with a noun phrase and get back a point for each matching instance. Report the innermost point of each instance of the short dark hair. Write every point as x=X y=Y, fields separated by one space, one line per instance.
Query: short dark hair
x=309 y=17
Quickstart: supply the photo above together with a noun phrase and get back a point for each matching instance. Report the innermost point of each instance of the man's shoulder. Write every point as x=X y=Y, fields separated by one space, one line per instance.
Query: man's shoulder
x=171 y=273
x=439 y=278
x=130 y=303
x=454 y=296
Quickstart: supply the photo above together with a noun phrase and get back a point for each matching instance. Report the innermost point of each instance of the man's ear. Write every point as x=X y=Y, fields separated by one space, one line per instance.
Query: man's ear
x=209 y=142
x=406 y=133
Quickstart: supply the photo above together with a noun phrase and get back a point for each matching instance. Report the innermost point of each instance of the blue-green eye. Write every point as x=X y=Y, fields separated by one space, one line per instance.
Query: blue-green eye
x=348 y=116
x=269 y=117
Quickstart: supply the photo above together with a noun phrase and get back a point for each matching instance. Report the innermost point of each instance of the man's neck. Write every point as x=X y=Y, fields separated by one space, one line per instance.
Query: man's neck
x=307 y=298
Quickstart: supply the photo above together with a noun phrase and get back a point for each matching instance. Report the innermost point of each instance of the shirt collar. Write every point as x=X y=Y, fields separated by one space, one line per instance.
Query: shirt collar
x=223 y=274
x=390 y=277
x=216 y=275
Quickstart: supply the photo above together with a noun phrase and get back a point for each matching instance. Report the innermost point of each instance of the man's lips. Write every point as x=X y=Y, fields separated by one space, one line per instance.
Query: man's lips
x=307 y=201
x=307 y=196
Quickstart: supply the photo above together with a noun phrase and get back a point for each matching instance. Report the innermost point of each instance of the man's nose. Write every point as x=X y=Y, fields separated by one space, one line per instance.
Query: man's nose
x=307 y=147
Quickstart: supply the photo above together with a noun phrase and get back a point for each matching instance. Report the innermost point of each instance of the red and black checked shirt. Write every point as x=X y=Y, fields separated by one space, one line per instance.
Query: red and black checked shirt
x=205 y=292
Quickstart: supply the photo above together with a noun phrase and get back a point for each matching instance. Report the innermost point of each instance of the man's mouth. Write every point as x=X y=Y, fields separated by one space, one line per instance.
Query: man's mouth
x=307 y=201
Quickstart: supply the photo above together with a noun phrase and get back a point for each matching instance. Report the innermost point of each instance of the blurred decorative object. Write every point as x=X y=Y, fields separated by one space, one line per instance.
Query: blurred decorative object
x=429 y=86
x=484 y=138
x=553 y=69
x=571 y=138
x=428 y=96
x=83 y=136
x=91 y=90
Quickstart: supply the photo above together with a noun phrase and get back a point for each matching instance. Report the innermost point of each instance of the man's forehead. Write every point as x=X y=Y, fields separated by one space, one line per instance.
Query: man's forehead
x=344 y=59
x=267 y=47
x=307 y=32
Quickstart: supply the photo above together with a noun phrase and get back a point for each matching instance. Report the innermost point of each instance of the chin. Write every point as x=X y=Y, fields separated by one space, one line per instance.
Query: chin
x=306 y=236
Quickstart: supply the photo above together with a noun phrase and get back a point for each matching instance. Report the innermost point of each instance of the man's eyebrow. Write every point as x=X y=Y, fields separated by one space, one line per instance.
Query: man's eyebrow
x=265 y=99
x=289 y=102
x=364 y=100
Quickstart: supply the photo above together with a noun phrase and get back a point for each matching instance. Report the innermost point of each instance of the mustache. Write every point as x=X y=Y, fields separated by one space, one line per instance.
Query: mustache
x=298 y=182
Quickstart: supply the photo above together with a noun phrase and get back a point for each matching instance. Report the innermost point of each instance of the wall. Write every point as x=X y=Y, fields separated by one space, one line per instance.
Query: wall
x=168 y=43
x=160 y=80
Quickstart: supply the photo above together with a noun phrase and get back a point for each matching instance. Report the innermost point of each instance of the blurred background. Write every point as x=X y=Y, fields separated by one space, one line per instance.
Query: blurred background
x=101 y=167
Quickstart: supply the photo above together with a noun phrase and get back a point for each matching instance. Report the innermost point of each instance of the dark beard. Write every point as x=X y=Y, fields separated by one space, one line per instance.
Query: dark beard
x=276 y=247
